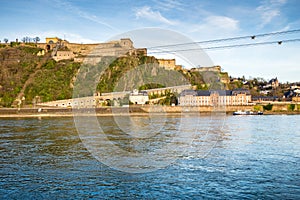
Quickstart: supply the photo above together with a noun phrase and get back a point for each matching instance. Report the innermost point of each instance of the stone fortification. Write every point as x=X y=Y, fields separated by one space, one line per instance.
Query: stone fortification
x=62 y=49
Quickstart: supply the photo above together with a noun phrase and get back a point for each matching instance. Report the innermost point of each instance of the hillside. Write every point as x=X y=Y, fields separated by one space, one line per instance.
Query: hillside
x=128 y=73
x=16 y=65
x=33 y=79
x=26 y=76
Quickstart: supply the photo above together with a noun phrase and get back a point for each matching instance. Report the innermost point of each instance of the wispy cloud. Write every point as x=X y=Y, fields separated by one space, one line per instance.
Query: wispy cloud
x=215 y=24
x=168 y=4
x=149 y=14
x=269 y=9
x=222 y=22
x=73 y=9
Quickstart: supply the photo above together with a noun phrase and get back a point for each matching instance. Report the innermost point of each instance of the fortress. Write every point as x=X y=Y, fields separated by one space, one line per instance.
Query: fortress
x=62 y=49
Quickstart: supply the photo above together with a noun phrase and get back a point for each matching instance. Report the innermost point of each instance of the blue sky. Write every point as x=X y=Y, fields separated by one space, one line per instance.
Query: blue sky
x=89 y=21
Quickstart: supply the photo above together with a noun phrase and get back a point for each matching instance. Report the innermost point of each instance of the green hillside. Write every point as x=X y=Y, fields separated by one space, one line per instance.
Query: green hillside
x=24 y=74
x=16 y=65
x=53 y=81
x=32 y=78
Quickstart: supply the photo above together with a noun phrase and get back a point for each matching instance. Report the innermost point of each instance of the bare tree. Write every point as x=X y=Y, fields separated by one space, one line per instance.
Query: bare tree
x=26 y=39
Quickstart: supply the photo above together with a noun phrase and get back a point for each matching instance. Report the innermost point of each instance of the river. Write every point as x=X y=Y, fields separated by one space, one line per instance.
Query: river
x=227 y=157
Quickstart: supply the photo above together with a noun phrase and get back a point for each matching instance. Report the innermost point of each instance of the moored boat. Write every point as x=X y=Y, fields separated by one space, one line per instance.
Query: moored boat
x=240 y=112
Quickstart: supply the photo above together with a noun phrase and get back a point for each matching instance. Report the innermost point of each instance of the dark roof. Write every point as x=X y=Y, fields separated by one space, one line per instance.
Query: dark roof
x=203 y=93
x=240 y=91
x=188 y=92
x=222 y=92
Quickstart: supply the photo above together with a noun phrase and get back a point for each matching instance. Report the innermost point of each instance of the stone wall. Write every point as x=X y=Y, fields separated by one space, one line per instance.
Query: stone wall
x=64 y=55
x=186 y=109
x=168 y=64
x=112 y=48
x=208 y=69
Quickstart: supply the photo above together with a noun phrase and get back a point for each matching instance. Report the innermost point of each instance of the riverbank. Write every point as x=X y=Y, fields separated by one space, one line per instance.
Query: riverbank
x=119 y=111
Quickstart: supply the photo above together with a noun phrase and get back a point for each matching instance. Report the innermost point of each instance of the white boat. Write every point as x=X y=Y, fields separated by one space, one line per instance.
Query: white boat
x=239 y=112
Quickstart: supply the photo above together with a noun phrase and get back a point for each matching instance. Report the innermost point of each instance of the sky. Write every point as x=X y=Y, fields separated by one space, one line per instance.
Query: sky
x=94 y=21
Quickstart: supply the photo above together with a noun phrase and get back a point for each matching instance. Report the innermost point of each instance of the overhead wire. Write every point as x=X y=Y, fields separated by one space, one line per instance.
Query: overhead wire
x=228 y=39
x=280 y=42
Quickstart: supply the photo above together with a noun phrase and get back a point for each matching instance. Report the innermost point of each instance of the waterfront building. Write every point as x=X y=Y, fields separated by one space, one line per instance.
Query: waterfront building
x=138 y=97
x=214 y=97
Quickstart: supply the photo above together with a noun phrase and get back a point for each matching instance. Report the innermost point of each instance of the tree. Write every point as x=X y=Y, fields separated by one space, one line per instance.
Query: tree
x=5 y=40
x=29 y=39
x=26 y=39
x=36 y=39
x=268 y=107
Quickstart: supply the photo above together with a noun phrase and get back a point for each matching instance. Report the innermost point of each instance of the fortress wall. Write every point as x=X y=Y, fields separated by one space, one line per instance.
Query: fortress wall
x=211 y=69
x=112 y=48
x=81 y=48
x=44 y=45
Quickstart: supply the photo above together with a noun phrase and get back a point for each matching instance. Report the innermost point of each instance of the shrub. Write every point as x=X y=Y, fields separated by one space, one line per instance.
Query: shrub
x=257 y=108
x=268 y=107
x=151 y=86
x=30 y=49
x=291 y=107
x=49 y=64
x=14 y=44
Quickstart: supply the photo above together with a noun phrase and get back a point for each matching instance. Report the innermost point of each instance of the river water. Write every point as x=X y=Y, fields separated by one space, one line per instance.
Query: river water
x=230 y=157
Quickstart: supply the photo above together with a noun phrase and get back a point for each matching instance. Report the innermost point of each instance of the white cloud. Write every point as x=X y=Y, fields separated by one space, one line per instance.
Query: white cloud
x=147 y=13
x=222 y=22
x=269 y=10
x=214 y=27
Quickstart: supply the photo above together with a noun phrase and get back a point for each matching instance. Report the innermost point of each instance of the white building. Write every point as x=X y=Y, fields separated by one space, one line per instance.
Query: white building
x=214 y=98
x=138 y=97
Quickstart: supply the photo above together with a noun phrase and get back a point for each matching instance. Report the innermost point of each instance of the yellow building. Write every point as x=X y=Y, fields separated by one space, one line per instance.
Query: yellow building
x=167 y=63
x=52 y=40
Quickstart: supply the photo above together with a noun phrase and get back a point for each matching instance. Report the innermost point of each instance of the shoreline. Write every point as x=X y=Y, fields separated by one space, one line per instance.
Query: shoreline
x=106 y=112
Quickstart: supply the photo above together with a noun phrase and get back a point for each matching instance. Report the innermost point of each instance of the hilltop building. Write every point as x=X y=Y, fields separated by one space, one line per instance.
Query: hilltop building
x=53 y=40
x=64 y=55
x=272 y=84
x=214 y=97
x=63 y=49
x=169 y=64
